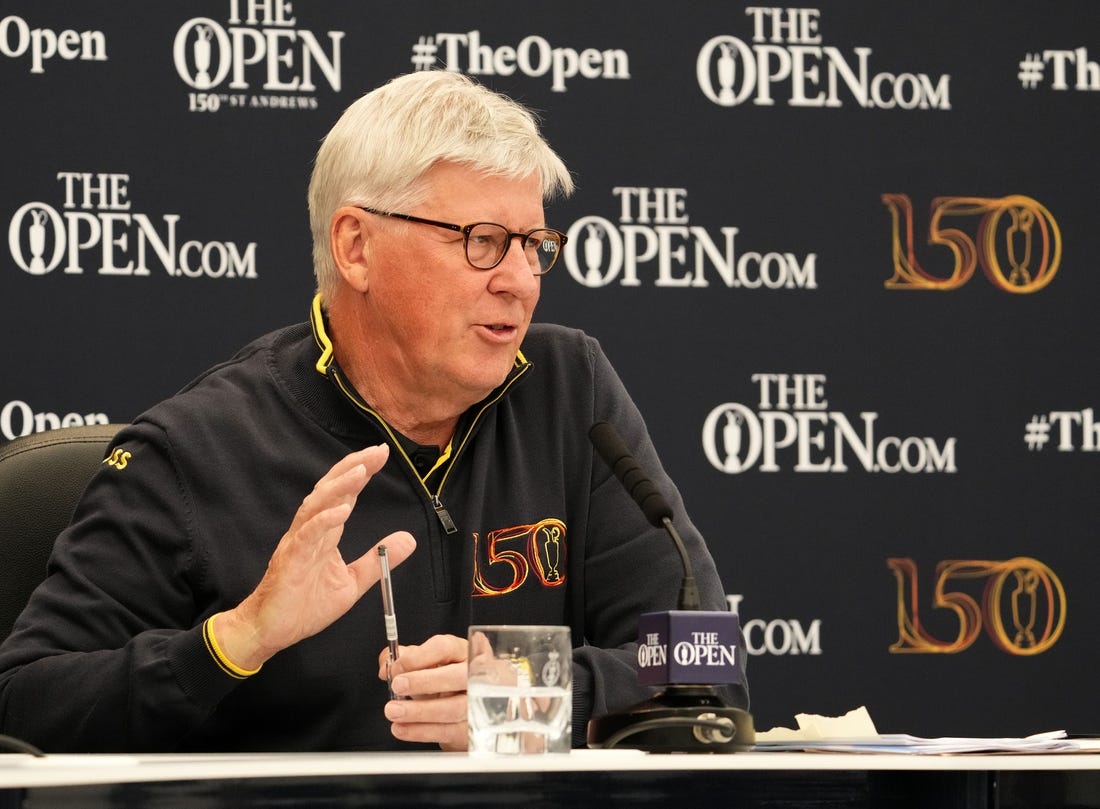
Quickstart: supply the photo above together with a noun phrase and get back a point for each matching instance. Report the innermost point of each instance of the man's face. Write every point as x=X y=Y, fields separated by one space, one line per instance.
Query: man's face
x=441 y=328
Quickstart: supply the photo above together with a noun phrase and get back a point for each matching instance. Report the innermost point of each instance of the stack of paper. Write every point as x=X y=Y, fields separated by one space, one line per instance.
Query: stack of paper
x=855 y=733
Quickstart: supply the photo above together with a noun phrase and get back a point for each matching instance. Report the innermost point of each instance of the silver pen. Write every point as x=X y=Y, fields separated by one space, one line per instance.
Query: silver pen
x=388 y=613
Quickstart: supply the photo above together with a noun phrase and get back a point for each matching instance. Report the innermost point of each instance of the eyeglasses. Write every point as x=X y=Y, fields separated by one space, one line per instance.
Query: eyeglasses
x=487 y=242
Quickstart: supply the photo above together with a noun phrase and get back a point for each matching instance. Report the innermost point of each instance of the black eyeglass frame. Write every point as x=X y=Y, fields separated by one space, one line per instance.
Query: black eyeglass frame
x=466 y=229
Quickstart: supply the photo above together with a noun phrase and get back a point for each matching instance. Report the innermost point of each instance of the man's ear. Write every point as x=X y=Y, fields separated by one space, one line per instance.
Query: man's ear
x=349 y=239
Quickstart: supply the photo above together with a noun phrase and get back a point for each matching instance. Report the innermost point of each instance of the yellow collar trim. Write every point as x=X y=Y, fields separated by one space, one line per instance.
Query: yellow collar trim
x=317 y=321
x=324 y=342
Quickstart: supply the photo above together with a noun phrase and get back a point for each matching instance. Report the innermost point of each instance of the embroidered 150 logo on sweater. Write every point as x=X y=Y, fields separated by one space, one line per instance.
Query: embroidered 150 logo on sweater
x=512 y=555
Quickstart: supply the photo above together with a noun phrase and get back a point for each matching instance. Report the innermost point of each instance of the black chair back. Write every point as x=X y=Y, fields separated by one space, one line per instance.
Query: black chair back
x=42 y=476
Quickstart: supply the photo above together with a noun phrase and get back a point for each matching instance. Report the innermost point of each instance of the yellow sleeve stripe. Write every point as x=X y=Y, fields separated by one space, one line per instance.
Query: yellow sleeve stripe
x=224 y=663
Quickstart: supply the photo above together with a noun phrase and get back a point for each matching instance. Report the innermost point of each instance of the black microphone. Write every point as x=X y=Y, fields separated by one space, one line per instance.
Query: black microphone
x=689 y=650
x=656 y=509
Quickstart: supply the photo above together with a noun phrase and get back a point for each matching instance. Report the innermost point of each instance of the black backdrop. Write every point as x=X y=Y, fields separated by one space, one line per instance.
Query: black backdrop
x=843 y=256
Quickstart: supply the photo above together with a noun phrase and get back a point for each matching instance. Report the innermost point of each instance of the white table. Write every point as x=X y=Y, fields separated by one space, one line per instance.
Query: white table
x=581 y=778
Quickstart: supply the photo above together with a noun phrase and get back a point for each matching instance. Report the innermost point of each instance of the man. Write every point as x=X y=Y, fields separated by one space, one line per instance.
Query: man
x=181 y=612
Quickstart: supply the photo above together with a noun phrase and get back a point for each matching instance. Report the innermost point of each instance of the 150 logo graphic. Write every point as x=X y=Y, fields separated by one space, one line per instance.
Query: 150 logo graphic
x=1023 y=590
x=541 y=549
x=1016 y=240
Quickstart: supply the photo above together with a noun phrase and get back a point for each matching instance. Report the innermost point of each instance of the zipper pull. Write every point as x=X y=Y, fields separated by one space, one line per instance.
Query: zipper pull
x=444 y=516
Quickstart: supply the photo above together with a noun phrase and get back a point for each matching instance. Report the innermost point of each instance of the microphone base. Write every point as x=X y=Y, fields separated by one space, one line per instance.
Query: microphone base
x=670 y=722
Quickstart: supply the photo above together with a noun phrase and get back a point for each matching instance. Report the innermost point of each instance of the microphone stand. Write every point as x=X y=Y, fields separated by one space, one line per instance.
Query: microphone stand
x=681 y=718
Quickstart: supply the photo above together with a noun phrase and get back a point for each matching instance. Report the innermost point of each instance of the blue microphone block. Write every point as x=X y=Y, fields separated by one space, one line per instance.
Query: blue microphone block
x=689 y=647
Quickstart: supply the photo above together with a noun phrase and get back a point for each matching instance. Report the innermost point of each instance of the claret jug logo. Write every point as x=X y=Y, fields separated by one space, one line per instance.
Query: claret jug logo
x=786 y=57
x=653 y=239
x=1015 y=240
x=259 y=46
x=96 y=229
x=792 y=418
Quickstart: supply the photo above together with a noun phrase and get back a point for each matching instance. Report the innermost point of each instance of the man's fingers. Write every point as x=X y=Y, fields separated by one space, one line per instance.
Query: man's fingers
x=441 y=711
x=373 y=458
x=442 y=721
x=437 y=666
x=447 y=679
x=320 y=533
x=438 y=650
x=450 y=738
x=343 y=482
x=367 y=569
x=434 y=675
x=480 y=646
